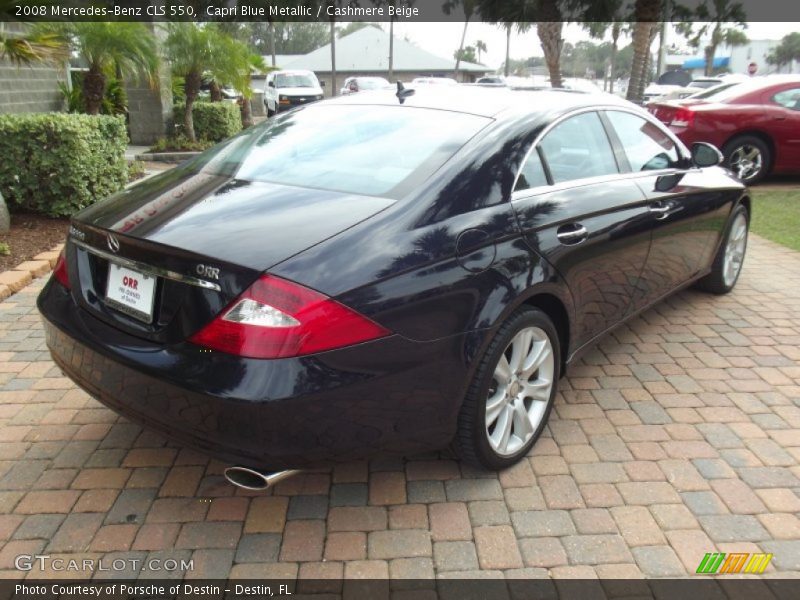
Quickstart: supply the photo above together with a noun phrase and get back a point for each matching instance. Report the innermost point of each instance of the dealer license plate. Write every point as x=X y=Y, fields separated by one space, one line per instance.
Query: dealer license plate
x=131 y=292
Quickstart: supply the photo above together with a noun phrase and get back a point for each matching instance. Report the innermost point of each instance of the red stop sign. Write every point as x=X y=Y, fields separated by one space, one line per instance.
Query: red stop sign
x=752 y=68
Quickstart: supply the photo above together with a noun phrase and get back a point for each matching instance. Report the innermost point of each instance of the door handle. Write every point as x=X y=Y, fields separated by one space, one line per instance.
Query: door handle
x=574 y=233
x=661 y=211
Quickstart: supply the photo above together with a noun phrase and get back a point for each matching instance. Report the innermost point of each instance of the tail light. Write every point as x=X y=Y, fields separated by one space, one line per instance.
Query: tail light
x=276 y=318
x=683 y=118
x=60 y=270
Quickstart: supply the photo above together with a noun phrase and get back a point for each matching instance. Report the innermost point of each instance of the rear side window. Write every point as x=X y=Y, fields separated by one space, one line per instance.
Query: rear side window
x=369 y=150
x=578 y=148
x=788 y=98
x=647 y=147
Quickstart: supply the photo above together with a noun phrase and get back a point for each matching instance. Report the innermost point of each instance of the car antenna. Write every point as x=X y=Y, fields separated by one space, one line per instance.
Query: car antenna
x=402 y=92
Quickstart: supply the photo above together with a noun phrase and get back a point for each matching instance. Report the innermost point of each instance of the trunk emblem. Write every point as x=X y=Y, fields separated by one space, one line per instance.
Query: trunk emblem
x=76 y=233
x=113 y=243
x=207 y=271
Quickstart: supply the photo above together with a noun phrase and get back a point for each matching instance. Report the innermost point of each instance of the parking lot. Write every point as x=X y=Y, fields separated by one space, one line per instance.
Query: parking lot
x=678 y=436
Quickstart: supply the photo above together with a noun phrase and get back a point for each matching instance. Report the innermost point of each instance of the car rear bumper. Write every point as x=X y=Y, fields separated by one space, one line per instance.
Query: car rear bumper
x=388 y=396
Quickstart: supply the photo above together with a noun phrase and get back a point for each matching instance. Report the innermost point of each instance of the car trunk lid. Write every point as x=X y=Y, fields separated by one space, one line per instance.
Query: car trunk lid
x=199 y=240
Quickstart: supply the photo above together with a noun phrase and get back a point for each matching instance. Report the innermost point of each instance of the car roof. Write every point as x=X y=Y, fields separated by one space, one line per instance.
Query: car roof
x=494 y=102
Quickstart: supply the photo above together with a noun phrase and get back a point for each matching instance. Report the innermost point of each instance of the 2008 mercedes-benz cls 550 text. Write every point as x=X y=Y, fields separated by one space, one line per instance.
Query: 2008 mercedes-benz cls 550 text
x=386 y=273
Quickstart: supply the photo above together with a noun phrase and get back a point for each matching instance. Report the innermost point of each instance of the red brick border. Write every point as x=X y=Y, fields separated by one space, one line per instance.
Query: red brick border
x=15 y=279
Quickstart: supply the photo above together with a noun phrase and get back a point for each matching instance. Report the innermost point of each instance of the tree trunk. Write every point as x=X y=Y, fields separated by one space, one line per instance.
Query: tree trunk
x=508 y=48
x=94 y=87
x=460 y=50
x=333 y=59
x=550 y=37
x=247 y=113
x=272 y=44
x=191 y=89
x=215 y=92
x=615 y=31
x=641 y=39
x=647 y=13
x=709 y=52
x=391 y=49
x=5 y=217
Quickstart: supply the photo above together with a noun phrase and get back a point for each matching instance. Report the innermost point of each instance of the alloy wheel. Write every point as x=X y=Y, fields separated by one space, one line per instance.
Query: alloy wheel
x=735 y=249
x=746 y=161
x=520 y=390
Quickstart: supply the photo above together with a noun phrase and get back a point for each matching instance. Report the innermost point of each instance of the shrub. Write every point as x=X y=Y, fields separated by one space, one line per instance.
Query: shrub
x=180 y=143
x=58 y=163
x=213 y=121
x=136 y=170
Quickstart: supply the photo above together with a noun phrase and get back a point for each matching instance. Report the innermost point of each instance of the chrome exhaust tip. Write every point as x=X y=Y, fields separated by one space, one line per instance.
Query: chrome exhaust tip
x=252 y=479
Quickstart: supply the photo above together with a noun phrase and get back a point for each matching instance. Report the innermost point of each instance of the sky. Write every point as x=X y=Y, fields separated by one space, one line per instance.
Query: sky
x=443 y=38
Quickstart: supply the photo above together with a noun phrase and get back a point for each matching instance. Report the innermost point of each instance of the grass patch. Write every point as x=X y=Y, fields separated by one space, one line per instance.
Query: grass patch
x=776 y=216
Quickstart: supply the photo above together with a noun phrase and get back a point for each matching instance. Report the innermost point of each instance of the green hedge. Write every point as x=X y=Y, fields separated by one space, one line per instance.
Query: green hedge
x=213 y=121
x=58 y=163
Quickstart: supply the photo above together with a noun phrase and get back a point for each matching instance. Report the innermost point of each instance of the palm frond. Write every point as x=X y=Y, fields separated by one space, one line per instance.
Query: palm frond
x=40 y=47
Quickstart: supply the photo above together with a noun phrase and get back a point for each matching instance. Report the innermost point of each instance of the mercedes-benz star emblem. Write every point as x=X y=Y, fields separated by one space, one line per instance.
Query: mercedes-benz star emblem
x=113 y=243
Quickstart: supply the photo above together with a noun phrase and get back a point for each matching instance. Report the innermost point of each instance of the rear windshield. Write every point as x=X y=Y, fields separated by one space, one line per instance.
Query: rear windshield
x=714 y=91
x=294 y=81
x=370 y=150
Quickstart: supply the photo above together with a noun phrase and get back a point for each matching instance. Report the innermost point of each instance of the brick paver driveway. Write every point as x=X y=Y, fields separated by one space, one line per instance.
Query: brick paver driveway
x=679 y=435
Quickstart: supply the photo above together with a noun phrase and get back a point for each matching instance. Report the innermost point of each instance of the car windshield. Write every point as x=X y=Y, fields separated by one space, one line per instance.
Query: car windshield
x=376 y=150
x=372 y=83
x=294 y=80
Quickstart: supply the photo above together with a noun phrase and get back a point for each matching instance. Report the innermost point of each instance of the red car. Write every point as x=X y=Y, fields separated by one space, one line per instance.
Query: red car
x=756 y=124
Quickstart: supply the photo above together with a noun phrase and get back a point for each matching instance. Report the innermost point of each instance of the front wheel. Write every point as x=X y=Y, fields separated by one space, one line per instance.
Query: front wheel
x=509 y=400
x=730 y=257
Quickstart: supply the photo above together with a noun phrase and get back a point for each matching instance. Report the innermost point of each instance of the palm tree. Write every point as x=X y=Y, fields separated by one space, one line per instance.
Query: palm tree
x=469 y=9
x=391 y=48
x=238 y=63
x=508 y=48
x=109 y=48
x=647 y=14
x=35 y=47
x=480 y=46
x=549 y=30
x=598 y=29
x=192 y=49
x=333 y=57
x=712 y=25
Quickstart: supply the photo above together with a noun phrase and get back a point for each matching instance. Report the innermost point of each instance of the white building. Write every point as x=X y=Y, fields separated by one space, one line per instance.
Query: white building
x=736 y=60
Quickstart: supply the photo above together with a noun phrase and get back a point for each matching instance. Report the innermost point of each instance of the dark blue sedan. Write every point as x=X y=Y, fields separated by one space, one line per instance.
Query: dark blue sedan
x=386 y=273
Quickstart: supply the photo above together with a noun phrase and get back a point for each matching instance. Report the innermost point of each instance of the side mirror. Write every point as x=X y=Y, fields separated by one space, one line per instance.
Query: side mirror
x=271 y=84
x=322 y=84
x=706 y=155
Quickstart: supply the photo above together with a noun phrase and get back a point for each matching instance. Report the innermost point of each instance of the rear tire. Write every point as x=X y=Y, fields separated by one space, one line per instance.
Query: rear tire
x=749 y=157
x=727 y=265
x=508 y=402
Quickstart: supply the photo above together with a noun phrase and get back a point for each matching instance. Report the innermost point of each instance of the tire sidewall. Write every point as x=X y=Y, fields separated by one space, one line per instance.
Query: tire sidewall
x=519 y=320
x=739 y=210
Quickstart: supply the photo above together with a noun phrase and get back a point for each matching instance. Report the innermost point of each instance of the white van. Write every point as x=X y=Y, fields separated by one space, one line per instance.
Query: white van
x=286 y=89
